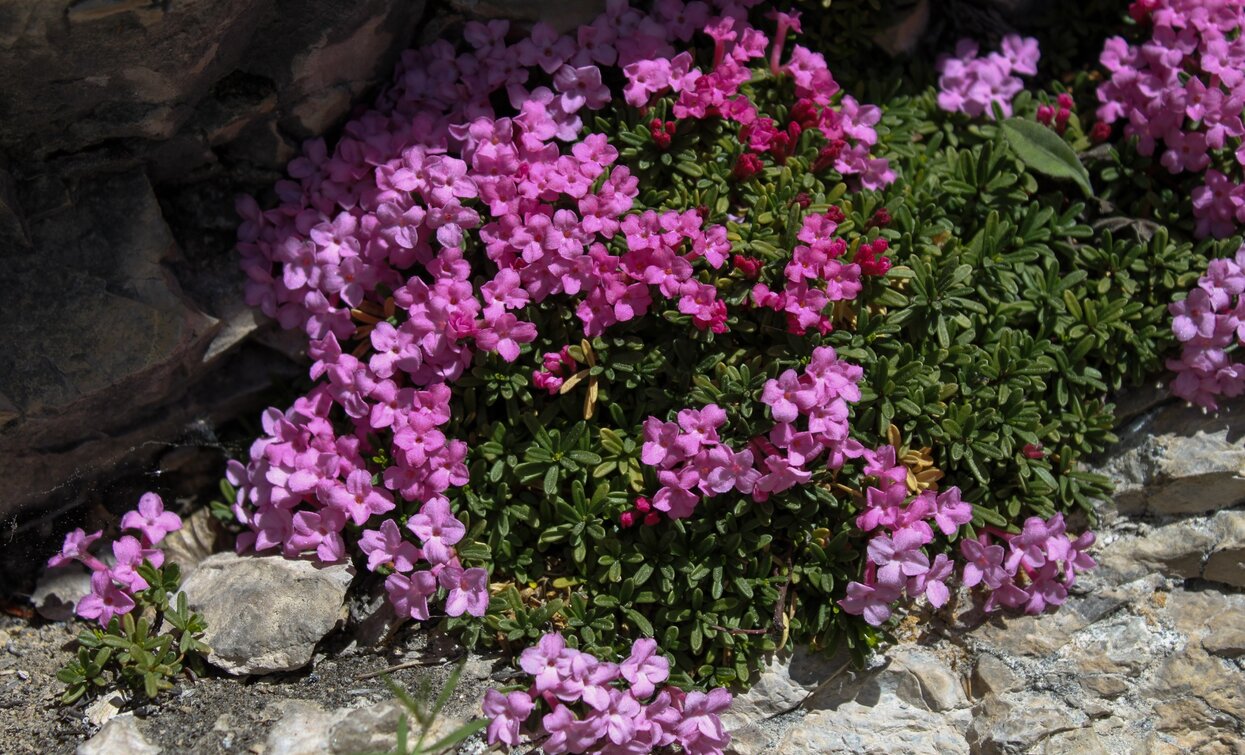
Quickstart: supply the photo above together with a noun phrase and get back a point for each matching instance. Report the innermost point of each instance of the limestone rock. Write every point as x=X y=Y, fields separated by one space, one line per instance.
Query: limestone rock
x=1017 y=721
x=266 y=613
x=1177 y=549
x=1177 y=460
x=891 y=726
x=1227 y=563
x=58 y=591
x=783 y=684
x=120 y=736
x=302 y=728
x=991 y=674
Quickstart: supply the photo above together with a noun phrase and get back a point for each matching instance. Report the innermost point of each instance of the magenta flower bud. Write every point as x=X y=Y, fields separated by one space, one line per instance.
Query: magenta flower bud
x=626 y=519
x=651 y=518
x=643 y=505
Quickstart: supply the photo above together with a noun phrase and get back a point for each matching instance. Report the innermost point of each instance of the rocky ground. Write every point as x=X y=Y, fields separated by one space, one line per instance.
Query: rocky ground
x=1147 y=656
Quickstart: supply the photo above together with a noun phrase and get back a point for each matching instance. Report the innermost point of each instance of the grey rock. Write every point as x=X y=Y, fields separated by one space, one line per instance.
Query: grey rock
x=120 y=736
x=991 y=674
x=302 y=728
x=1076 y=742
x=104 y=709
x=1227 y=563
x=130 y=70
x=783 y=684
x=1179 y=460
x=58 y=591
x=888 y=727
x=1177 y=549
x=927 y=682
x=118 y=333
x=563 y=15
x=194 y=542
x=1014 y=722
x=266 y=613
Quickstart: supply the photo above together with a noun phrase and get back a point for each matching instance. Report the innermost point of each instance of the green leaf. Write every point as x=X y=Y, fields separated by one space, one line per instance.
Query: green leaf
x=1045 y=151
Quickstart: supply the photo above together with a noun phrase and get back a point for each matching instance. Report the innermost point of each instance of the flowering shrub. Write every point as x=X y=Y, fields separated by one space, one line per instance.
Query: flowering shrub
x=652 y=331
x=1182 y=87
x=590 y=709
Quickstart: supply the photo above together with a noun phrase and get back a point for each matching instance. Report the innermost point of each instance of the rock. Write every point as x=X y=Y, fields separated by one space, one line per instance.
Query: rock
x=783 y=684
x=120 y=736
x=563 y=15
x=95 y=322
x=104 y=709
x=123 y=113
x=266 y=613
x=1077 y=742
x=889 y=727
x=1176 y=550
x=58 y=591
x=194 y=542
x=127 y=70
x=991 y=674
x=302 y=728
x=1124 y=644
x=1227 y=563
x=1018 y=720
x=1033 y=636
x=927 y=682
x=1178 y=460
x=374 y=728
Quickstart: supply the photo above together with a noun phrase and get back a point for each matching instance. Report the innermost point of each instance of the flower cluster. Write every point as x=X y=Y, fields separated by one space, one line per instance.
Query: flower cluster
x=1184 y=87
x=975 y=85
x=1030 y=570
x=1057 y=115
x=693 y=461
x=817 y=276
x=416 y=245
x=113 y=587
x=1209 y=322
x=591 y=711
x=897 y=562
x=556 y=366
x=304 y=483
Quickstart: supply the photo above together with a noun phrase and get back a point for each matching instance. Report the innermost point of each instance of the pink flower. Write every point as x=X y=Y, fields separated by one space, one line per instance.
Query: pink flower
x=357 y=498
x=387 y=546
x=75 y=548
x=321 y=531
x=504 y=334
x=468 y=590
x=128 y=553
x=409 y=595
x=438 y=529
x=105 y=600
x=506 y=714
x=983 y=564
x=151 y=519
x=644 y=669
x=544 y=661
